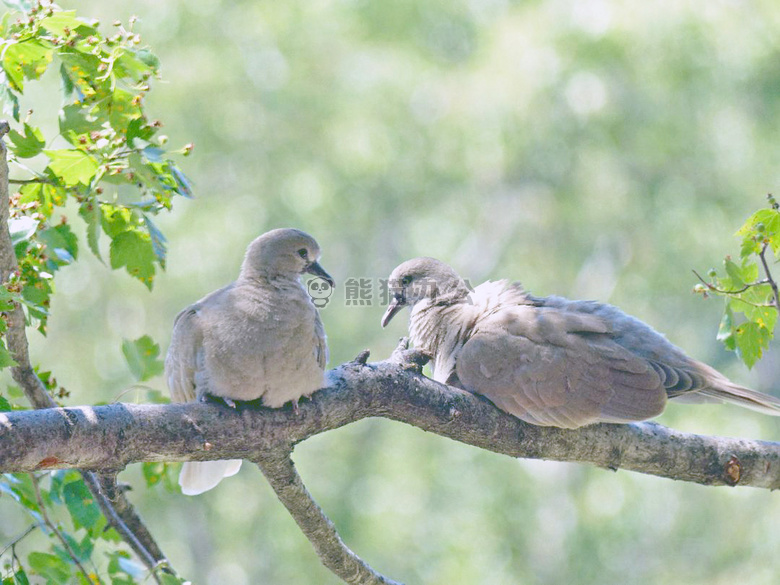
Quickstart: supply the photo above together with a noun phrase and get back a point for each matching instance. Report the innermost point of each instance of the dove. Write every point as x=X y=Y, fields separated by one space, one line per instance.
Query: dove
x=551 y=361
x=259 y=337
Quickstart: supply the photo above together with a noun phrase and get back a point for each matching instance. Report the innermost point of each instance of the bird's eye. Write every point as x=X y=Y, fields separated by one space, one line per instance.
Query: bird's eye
x=406 y=280
x=303 y=253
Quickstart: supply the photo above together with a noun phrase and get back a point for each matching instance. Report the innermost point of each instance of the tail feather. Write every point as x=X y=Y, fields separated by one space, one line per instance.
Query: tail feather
x=197 y=477
x=745 y=397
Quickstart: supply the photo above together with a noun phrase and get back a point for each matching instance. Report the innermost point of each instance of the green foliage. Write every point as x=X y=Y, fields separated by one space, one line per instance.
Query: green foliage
x=114 y=164
x=76 y=529
x=751 y=311
x=159 y=473
x=143 y=357
x=109 y=160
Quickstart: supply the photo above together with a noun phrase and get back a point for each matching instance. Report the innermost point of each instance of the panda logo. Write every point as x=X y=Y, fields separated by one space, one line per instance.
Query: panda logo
x=320 y=291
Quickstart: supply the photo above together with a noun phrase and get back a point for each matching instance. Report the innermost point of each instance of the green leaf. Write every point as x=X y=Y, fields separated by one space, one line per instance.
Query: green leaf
x=185 y=188
x=726 y=329
x=49 y=566
x=8 y=98
x=6 y=299
x=734 y=272
x=121 y=110
x=81 y=549
x=129 y=64
x=752 y=338
x=138 y=128
x=67 y=82
x=149 y=58
x=168 y=579
x=158 y=240
x=5 y=406
x=20 y=578
x=115 y=220
x=75 y=120
x=770 y=220
x=37 y=293
x=142 y=356
x=29 y=144
x=81 y=505
x=90 y=213
x=74 y=167
x=25 y=58
x=6 y=361
x=59 y=21
x=133 y=250
x=61 y=243
x=46 y=195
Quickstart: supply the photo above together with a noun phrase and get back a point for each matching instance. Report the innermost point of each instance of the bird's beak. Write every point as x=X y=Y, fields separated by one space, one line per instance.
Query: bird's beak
x=317 y=270
x=396 y=304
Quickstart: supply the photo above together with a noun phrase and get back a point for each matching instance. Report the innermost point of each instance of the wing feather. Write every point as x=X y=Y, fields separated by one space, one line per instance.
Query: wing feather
x=184 y=361
x=555 y=367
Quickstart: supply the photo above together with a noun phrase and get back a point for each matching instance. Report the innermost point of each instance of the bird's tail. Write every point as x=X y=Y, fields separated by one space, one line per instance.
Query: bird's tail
x=730 y=392
x=197 y=477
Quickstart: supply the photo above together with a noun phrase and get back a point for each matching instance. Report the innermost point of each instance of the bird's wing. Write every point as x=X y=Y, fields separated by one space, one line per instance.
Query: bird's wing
x=558 y=367
x=321 y=347
x=185 y=356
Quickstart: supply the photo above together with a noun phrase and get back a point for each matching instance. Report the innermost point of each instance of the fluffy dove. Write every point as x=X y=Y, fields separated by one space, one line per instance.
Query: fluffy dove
x=551 y=361
x=260 y=337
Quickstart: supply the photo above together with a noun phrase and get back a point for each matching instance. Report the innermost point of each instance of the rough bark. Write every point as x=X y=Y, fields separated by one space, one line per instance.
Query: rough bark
x=113 y=436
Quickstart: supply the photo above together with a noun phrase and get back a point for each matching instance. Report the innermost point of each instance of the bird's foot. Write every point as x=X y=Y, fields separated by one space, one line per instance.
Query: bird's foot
x=410 y=359
x=296 y=409
x=415 y=359
x=206 y=397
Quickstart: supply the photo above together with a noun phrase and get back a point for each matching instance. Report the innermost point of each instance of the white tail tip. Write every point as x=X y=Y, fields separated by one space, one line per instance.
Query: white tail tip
x=197 y=477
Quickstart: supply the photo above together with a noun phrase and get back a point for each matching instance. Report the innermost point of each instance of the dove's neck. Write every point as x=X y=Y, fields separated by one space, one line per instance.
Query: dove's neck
x=441 y=329
x=263 y=279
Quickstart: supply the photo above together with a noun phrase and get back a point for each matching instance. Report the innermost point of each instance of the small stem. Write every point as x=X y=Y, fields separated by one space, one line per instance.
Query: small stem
x=722 y=291
x=54 y=529
x=30 y=181
x=772 y=283
x=18 y=539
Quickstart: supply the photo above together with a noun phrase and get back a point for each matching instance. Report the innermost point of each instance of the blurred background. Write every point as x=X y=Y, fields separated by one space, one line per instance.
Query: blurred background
x=599 y=149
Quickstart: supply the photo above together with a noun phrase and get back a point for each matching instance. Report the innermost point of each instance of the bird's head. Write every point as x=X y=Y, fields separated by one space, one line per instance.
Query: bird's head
x=283 y=253
x=422 y=278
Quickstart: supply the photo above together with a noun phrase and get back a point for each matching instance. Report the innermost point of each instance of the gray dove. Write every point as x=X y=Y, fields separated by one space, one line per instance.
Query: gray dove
x=259 y=337
x=551 y=361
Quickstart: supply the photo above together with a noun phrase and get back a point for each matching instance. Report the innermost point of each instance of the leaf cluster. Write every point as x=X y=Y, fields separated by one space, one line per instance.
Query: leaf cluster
x=82 y=545
x=113 y=163
x=751 y=297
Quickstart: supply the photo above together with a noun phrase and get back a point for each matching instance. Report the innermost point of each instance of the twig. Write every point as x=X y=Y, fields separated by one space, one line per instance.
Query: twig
x=772 y=283
x=279 y=470
x=723 y=291
x=117 y=516
x=55 y=530
x=40 y=180
x=18 y=539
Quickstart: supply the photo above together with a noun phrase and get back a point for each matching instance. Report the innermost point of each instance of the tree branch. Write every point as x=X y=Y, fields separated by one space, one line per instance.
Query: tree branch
x=113 y=436
x=121 y=516
x=279 y=470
